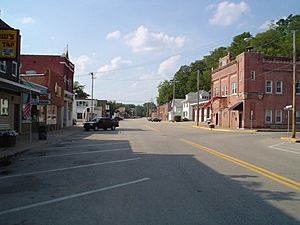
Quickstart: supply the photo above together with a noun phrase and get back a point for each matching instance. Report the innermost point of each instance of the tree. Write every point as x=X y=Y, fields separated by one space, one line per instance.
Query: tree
x=78 y=90
x=165 y=92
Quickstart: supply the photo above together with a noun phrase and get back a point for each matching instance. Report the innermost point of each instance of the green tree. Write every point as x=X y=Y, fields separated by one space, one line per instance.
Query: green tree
x=78 y=90
x=165 y=92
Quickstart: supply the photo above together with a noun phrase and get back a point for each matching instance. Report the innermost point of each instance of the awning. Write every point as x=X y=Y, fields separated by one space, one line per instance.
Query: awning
x=14 y=86
x=237 y=106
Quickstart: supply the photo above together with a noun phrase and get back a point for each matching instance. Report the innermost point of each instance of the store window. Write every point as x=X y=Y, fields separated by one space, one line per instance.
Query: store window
x=3 y=107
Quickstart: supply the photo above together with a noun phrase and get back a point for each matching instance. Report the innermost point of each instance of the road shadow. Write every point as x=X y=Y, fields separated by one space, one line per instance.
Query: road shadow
x=180 y=190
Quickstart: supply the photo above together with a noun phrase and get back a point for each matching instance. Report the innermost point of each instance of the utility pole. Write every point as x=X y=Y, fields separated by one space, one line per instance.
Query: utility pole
x=294 y=87
x=173 y=100
x=92 y=106
x=198 y=97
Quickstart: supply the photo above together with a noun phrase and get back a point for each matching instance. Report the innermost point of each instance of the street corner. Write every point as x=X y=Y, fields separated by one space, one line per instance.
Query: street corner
x=291 y=140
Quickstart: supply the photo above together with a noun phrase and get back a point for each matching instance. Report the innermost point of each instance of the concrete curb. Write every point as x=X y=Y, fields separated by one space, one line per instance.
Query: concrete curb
x=225 y=130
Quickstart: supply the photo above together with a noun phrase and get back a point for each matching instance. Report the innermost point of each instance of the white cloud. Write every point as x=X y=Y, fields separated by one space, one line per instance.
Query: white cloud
x=115 y=64
x=113 y=35
x=142 y=40
x=228 y=12
x=81 y=63
x=27 y=20
x=169 y=66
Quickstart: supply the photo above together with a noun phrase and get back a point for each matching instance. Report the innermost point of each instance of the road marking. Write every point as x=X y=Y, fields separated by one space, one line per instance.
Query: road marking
x=86 y=145
x=284 y=150
x=77 y=153
x=151 y=128
x=70 y=168
x=72 y=196
x=266 y=173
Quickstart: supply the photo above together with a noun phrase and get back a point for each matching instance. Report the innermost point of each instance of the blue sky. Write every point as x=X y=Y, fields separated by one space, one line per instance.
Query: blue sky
x=132 y=45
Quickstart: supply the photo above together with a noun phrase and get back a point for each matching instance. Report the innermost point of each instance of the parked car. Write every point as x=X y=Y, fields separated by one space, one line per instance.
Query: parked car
x=155 y=119
x=101 y=123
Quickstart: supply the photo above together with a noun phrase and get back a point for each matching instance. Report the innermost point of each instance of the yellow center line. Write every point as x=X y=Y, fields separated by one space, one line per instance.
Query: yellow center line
x=266 y=173
x=151 y=128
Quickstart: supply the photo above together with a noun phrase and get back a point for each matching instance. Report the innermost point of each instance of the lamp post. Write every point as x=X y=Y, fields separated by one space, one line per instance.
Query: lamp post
x=294 y=87
x=173 y=110
x=198 y=97
x=288 y=109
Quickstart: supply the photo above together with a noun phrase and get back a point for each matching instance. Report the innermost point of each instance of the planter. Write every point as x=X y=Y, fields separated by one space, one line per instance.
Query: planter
x=8 y=141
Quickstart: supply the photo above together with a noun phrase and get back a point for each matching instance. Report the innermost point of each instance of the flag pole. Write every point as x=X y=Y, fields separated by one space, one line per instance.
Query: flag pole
x=30 y=126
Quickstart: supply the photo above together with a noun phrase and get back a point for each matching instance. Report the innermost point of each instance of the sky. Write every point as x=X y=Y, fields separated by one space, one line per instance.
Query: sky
x=133 y=45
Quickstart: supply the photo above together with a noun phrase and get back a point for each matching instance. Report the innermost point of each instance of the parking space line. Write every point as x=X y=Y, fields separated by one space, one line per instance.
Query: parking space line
x=73 y=196
x=69 y=168
x=282 y=149
x=77 y=153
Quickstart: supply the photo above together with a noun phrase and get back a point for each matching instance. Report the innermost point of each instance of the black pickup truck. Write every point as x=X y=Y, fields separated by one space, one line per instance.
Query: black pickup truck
x=101 y=123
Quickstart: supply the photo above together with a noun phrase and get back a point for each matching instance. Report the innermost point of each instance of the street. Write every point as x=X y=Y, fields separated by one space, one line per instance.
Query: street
x=147 y=173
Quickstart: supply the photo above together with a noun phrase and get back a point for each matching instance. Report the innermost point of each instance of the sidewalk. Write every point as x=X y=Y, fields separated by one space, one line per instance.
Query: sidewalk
x=23 y=141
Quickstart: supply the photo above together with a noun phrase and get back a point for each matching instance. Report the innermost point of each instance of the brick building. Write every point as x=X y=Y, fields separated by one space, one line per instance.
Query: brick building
x=56 y=73
x=13 y=90
x=252 y=90
x=162 y=111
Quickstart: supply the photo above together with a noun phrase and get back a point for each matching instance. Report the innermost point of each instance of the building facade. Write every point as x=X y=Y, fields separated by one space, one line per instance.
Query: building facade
x=13 y=91
x=252 y=90
x=56 y=73
x=82 y=110
x=191 y=99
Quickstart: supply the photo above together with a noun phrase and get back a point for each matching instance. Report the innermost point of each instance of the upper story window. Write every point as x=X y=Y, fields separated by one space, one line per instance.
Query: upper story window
x=224 y=90
x=268 y=87
x=279 y=87
x=297 y=88
x=253 y=75
x=3 y=66
x=216 y=91
x=14 y=68
x=233 y=88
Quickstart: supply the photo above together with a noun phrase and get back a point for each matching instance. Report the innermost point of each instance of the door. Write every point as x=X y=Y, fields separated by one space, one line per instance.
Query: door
x=16 y=117
x=240 y=119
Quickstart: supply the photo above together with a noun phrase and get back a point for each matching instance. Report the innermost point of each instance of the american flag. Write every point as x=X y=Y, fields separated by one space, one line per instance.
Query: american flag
x=27 y=108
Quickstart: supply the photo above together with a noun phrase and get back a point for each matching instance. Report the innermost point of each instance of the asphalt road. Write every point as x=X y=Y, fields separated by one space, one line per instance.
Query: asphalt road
x=148 y=173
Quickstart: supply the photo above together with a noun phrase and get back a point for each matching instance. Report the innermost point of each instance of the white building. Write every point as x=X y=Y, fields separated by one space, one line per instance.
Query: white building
x=82 y=109
x=176 y=109
x=191 y=99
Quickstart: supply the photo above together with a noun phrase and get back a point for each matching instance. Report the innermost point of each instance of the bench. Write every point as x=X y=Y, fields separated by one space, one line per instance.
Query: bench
x=4 y=126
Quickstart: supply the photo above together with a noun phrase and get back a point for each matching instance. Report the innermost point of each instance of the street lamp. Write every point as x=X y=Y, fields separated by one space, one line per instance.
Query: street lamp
x=288 y=109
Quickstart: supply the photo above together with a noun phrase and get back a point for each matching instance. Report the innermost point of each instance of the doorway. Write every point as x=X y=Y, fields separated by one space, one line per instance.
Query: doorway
x=240 y=119
x=16 y=117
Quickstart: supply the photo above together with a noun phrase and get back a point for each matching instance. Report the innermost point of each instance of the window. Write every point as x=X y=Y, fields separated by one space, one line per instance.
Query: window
x=3 y=66
x=268 y=116
x=3 y=107
x=297 y=88
x=298 y=117
x=224 y=90
x=252 y=74
x=268 y=87
x=279 y=87
x=233 y=88
x=278 y=116
x=79 y=116
x=14 y=68
x=216 y=92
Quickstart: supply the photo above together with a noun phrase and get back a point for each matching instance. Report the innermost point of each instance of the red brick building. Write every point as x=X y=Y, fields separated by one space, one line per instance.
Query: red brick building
x=162 y=111
x=252 y=90
x=56 y=73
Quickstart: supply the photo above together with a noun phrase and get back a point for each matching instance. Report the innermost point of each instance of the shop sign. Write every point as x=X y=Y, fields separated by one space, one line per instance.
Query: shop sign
x=9 y=44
